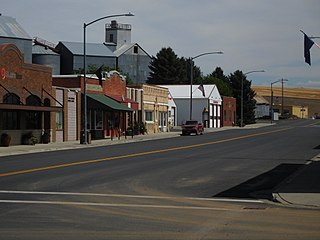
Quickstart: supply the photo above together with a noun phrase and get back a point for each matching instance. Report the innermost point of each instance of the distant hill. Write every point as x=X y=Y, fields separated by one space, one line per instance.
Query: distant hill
x=305 y=93
x=307 y=97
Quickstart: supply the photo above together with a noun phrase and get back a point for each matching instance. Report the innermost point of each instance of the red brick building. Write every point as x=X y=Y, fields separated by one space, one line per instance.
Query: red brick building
x=27 y=100
x=108 y=110
x=228 y=111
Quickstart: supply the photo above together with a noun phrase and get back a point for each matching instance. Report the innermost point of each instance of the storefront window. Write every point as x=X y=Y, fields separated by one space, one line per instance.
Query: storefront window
x=33 y=117
x=59 y=120
x=149 y=116
x=10 y=119
x=98 y=120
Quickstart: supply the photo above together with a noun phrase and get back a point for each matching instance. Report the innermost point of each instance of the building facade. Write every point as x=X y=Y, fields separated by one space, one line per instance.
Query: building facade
x=27 y=100
x=154 y=111
x=228 y=111
x=108 y=110
x=206 y=104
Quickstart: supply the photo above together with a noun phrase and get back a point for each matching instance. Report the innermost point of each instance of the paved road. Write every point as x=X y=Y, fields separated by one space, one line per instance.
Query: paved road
x=162 y=189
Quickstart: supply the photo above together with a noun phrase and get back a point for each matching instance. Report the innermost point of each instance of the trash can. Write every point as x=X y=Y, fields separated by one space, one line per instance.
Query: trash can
x=82 y=137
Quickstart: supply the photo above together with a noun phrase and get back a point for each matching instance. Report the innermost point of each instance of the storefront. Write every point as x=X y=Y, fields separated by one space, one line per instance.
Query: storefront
x=27 y=100
x=109 y=112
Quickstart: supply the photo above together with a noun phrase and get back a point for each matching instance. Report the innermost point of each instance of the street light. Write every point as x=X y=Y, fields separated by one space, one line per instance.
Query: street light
x=85 y=25
x=245 y=74
x=191 y=75
x=271 y=108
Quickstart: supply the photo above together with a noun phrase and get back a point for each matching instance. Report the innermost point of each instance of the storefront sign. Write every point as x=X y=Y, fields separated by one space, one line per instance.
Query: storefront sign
x=94 y=87
x=3 y=73
x=10 y=75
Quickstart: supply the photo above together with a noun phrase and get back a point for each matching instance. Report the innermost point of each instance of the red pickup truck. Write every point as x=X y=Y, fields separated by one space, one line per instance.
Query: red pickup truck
x=192 y=127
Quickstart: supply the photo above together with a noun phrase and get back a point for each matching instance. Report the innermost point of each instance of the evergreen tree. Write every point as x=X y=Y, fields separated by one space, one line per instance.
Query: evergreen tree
x=168 y=68
x=221 y=81
x=165 y=68
x=248 y=96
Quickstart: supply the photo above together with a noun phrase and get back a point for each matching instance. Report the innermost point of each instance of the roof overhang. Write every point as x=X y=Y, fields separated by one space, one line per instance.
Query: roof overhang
x=4 y=106
x=99 y=100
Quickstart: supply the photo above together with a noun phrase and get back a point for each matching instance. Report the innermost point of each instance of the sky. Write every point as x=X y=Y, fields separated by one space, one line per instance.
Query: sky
x=254 y=35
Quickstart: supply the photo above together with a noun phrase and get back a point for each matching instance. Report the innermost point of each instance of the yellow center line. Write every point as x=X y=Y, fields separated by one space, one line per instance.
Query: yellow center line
x=135 y=154
x=312 y=124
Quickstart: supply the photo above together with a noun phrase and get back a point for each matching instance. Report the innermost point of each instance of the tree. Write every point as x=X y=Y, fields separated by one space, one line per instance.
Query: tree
x=168 y=68
x=248 y=96
x=220 y=80
x=165 y=68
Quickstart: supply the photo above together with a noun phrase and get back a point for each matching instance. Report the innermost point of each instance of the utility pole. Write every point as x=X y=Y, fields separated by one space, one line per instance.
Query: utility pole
x=282 y=99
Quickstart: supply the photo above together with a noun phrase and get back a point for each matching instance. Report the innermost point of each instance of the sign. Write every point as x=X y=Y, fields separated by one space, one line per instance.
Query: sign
x=3 y=73
x=9 y=75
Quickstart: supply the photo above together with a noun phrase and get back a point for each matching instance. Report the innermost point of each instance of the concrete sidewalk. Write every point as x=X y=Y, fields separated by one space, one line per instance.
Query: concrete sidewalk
x=302 y=188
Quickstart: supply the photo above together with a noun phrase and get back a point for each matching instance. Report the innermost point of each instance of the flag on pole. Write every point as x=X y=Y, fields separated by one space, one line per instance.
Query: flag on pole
x=99 y=74
x=308 y=43
x=201 y=88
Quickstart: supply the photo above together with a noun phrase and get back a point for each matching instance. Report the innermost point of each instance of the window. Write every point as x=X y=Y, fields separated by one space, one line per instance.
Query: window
x=11 y=98
x=98 y=120
x=59 y=120
x=149 y=116
x=111 y=37
x=10 y=118
x=135 y=49
x=34 y=118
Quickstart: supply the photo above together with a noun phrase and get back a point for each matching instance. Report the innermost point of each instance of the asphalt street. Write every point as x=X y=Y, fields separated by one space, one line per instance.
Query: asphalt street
x=177 y=187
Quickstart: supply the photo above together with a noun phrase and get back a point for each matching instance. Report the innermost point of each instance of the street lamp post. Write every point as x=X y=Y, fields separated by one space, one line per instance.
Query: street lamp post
x=282 y=102
x=241 y=107
x=191 y=74
x=271 y=108
x=85 y=25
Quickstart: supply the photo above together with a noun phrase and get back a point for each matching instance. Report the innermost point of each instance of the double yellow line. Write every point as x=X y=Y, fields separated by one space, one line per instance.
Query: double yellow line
x=134 y=154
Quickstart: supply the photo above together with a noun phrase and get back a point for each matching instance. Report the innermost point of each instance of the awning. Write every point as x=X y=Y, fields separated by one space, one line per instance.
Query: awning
x=30 y=108
x=108 y=102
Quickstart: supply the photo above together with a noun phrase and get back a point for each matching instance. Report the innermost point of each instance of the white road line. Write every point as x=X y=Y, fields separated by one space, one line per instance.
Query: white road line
x=130 y=196
x=116 y=205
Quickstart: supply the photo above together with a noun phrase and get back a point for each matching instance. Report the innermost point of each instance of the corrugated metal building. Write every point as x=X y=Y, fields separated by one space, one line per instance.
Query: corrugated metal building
x=72 y=56
x=12 y=32
x=134 y=61
x=45 y=56
x=131 y=58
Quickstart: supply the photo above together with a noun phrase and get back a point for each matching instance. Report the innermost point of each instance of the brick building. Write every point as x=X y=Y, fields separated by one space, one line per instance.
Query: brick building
x=108 y=110
x=228 y=111
x=27 y=100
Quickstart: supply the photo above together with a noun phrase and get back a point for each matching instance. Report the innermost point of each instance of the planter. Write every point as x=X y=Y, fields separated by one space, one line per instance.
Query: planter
x=29 y=139
x=5 y=140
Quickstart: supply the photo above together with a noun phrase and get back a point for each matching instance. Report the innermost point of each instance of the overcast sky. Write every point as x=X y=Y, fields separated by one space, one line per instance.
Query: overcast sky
x=253 y=34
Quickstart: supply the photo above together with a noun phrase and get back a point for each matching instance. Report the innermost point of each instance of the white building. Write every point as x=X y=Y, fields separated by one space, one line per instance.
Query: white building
x=205 y=107
x=172 y=111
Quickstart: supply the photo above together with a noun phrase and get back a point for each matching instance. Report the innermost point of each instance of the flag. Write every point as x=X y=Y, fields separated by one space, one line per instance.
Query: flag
x=99 y=74
x=201 y=88
x=307 y=45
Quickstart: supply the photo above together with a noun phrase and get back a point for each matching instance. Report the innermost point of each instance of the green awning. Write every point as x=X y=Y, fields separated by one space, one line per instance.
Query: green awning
x=109 y=103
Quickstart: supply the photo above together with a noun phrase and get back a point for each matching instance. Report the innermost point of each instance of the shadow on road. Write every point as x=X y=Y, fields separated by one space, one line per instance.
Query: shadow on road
x=261 y=186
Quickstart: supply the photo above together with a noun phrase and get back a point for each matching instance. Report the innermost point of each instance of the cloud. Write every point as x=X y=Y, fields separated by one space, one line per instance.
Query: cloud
x=253 y=34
